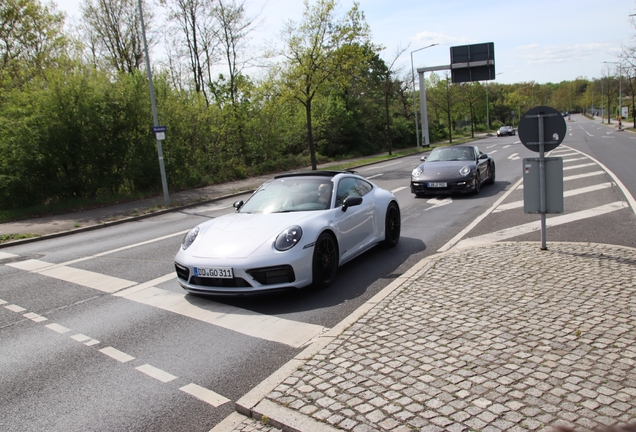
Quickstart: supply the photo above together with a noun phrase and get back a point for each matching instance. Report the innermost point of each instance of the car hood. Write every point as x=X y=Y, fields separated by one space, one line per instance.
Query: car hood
x=240 y=235
x=442 y=170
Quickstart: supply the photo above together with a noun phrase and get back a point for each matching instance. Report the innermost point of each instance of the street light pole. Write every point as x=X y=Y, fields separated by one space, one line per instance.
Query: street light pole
x=417 y=128
x=162 y=169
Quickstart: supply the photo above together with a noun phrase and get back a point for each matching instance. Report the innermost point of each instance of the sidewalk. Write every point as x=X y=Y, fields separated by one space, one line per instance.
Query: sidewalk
x=517 y=339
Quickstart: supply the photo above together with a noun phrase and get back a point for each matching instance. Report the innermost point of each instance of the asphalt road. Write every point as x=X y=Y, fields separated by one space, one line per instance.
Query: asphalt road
x=83 y=347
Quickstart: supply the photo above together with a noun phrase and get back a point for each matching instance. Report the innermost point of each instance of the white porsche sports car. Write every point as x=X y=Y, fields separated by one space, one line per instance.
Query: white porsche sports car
x=293 y=231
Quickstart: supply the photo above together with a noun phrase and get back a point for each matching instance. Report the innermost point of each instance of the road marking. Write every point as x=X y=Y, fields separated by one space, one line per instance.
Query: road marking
x=394 y=191
x=578 y=176
x=35 y=317
x=519 y=204
x=579 y=166
x=81 y=277
x=207 y=396
x=536 y=225
x=621 y=186
x=267 y=327
x=436 y=202
x=514 y=156
x=374 y=176
x=86 y=340
x=474 y=223
x=57 y=328
x=15 y=308
x=156 y=373
x=506 y=146
x=380 y=166
x=5 y=255
x=292 y=333
x=574 y=160
x=116 y=354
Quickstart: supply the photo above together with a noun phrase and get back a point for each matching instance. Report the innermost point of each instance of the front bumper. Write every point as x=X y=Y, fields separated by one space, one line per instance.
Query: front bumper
x=464 y=185
x=251 y=276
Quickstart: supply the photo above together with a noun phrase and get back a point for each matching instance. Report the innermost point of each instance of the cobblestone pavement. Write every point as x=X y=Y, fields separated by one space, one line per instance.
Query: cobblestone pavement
x=504 y=337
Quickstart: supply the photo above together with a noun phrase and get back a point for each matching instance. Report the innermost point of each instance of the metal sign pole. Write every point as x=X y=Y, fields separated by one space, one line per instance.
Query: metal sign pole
x=542 y=182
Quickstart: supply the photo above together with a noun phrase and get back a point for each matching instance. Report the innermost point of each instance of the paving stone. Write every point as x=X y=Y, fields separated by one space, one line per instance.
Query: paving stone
x=508 y=352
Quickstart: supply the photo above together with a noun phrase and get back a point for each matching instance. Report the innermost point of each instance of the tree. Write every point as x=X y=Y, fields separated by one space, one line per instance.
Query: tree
x=234 y=28
x=319 y=49
x=112 y=30
x=194 y=39
x=443 y=95
x=389 y=91
x=471 y=94
x=31 y=39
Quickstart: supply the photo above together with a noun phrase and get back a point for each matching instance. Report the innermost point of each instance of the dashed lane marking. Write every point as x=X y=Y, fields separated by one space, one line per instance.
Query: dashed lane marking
x=15 y=308
x=207 y=396
x=199 y=392
x=121 y=357
x=156 y=373
x=57 y=328
x=34 y=317
x=86 y=340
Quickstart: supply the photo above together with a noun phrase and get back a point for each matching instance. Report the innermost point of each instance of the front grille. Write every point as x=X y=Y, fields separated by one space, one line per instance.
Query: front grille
x=182 y=272
x=218 y=282
x=273 y=275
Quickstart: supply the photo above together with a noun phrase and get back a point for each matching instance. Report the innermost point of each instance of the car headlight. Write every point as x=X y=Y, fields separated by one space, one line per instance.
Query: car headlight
x=189 y=238
x=465 y=171
x=288 y=238
x=416 y=172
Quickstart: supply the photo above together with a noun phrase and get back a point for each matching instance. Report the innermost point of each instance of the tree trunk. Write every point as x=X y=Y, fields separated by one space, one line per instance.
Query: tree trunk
x=310 y=136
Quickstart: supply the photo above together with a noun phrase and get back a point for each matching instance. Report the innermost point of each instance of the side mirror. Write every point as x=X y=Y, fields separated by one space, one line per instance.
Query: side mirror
x=483 y=156
x=351 y=202
x=238 y=204
x=423 y=158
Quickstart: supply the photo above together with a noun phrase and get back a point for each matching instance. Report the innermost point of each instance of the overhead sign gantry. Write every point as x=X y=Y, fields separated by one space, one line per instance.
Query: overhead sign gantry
x=468 y=63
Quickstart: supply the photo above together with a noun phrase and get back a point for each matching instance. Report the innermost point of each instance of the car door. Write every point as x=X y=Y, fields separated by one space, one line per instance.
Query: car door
x=482 y=164
x=357 y=225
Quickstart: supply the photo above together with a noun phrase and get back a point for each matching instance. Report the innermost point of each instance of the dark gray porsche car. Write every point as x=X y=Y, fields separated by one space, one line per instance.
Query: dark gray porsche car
x=447 y=170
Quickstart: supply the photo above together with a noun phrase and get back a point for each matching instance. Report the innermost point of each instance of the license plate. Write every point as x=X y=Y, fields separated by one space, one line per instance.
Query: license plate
x=437 y=185
x=214 y=272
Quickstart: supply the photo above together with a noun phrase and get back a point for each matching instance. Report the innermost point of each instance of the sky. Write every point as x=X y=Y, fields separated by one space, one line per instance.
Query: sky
x=535 y=40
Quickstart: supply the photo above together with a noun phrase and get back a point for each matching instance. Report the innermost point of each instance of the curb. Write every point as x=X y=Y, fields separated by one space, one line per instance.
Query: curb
x=253 y=404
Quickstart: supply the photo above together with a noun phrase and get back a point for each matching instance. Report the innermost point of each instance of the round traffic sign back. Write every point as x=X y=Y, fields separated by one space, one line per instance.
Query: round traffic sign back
x=554 y=128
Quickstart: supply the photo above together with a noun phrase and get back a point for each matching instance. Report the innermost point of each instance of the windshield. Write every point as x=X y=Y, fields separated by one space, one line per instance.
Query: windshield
x=290 y=194
x=451 y=154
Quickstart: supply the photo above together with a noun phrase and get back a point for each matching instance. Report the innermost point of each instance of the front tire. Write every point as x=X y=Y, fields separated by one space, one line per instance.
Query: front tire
x=325 y=261
x=491 y=172
x=477 y=184
x=392 y=225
